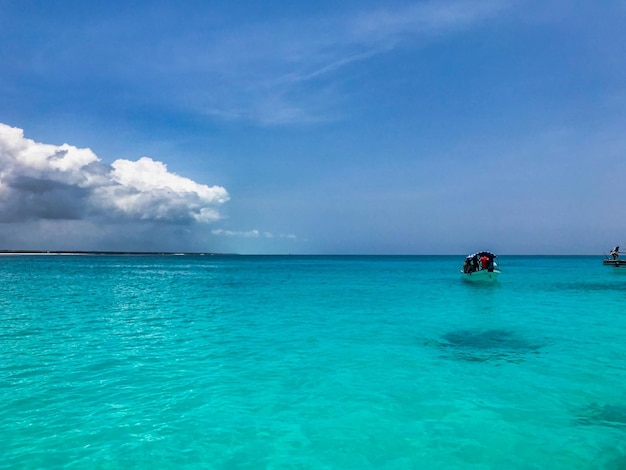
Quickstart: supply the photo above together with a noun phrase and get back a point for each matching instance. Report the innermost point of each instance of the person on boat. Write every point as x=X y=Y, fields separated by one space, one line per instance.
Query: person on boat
x=615 y=252
x=484 y=262
x=467 y=266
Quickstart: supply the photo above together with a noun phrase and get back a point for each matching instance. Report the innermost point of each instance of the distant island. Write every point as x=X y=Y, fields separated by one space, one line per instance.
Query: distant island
x=110 y=253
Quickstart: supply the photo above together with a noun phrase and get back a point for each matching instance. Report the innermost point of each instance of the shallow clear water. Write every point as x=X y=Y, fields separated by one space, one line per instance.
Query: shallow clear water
x=247 y=362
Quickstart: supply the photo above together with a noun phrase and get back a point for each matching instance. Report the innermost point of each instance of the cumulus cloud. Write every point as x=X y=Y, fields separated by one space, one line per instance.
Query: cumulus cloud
x=44 y=181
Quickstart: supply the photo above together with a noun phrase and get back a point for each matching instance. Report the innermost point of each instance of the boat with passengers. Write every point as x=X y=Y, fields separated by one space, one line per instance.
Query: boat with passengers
x=481 y=266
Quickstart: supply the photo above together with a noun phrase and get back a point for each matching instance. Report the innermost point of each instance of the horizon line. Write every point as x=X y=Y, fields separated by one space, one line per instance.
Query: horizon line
x=208 y=253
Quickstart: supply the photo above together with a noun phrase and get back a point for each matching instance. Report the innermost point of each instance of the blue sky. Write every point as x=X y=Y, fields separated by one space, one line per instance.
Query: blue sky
x=348 y=127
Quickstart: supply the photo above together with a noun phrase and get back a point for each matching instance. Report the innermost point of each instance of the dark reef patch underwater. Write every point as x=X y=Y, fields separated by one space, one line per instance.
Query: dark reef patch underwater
x=478 y=345
x=603 y=415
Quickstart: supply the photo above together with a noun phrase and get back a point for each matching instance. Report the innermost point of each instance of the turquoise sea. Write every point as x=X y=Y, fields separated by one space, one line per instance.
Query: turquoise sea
x=310 y=362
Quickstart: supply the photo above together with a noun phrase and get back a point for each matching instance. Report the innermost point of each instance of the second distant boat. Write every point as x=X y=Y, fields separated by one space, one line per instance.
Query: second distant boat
x=613 y=259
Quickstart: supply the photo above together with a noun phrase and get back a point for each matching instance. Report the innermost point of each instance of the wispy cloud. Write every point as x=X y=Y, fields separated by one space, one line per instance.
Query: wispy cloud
x=273 y=72
x=276 y=72
x=234 y=233
x=250 y=234
x=284 y=72
x=424 y=19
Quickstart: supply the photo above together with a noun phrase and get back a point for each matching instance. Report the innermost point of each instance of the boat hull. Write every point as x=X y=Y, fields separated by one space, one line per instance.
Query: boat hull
x=484 y=275
x=618 y=263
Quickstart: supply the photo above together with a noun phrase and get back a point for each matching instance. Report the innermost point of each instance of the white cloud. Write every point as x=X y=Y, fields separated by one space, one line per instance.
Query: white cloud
x=250 y=234
x=44 y=181
x=234 y=233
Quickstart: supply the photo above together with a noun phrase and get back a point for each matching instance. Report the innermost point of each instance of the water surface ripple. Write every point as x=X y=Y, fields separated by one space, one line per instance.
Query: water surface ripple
x=252 y=362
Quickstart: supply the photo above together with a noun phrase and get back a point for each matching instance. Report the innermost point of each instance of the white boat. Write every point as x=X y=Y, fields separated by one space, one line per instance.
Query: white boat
x=481 y=266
